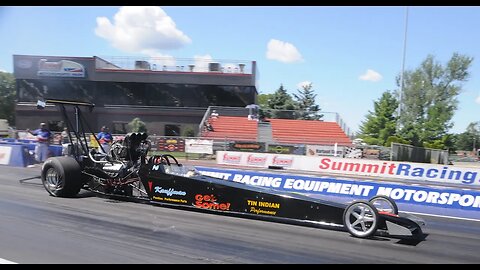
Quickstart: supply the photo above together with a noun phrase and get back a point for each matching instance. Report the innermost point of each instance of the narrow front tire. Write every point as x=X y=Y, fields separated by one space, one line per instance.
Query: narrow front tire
x=360 y=218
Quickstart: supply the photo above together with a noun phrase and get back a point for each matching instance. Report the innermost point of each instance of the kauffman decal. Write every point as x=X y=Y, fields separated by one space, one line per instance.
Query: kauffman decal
x=169 y=192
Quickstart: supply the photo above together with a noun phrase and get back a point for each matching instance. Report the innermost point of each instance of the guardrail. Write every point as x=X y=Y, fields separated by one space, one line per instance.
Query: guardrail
x=173 y=64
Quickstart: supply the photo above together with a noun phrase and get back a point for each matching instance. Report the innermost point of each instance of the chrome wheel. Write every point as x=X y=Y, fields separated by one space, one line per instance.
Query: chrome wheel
x=53 y=181
x=62 y=176
x=360 y=219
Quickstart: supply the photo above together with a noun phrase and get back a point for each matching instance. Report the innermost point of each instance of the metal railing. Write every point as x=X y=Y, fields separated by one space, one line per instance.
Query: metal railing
x=172 y=64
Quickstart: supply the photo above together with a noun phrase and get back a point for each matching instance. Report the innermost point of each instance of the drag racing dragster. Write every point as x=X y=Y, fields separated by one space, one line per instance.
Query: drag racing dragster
x=128 y=172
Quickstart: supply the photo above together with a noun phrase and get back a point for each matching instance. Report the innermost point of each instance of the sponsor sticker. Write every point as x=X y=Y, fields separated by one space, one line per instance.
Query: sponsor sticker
x=210 y=202
x=231 y=158
x=258 y=160
x=262 y=207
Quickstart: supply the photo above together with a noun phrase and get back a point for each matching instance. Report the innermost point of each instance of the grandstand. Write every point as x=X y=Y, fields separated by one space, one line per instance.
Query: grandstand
x=285 y=131
x=308 y=132
x=233 y=128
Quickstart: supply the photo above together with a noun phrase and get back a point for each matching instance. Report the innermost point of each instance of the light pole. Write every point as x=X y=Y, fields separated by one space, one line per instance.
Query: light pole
x=474 y=150
x=400 y=102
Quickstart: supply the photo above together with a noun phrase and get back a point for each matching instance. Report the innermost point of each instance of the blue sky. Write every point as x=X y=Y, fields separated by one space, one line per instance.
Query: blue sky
x=351 y=55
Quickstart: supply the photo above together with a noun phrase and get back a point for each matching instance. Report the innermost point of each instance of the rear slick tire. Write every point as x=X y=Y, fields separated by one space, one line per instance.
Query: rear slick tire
x=61 y=176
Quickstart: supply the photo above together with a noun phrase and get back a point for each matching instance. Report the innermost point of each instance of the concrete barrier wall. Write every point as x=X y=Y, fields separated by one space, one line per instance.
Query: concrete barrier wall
x=21 y=154
x=15 y=155
x=411 y=171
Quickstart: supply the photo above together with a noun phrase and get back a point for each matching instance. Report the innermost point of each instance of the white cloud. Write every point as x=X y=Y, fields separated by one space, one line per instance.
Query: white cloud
x=300 y=85
x=141 y=29
x=283 y=51
x=477 y=100
x=370 y=75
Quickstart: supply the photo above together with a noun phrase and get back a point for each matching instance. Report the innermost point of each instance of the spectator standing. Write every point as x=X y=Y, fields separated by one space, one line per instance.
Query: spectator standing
x=105 y=139
x=65 y=141
x=214 y=114
x=65 y=138
x=43 y=136
x=208 y=126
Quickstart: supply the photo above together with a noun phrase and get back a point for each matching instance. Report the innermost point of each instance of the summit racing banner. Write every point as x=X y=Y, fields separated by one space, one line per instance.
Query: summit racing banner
x=350 y=166
x=361 y=189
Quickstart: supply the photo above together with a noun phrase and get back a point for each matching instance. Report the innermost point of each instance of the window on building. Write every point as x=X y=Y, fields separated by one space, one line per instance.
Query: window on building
x=56 y=126
x=119 y=127
x=172 y=130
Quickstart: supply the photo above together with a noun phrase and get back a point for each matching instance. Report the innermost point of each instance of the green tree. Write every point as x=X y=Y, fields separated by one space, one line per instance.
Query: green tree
x=429 y=100
x=188 y=131
x=306 y=103
x=279 y=101
x=469 y=139
x=137 y=125
x=380 y=125
x=7 y=97
x=263 y=99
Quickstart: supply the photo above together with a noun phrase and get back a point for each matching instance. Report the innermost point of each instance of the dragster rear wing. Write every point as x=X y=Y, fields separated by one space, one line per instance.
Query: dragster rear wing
x=78 y=127
x=42 y=103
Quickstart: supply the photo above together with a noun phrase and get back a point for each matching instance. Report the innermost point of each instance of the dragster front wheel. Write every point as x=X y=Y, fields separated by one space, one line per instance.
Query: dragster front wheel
x=360 y=218
x=384 y=204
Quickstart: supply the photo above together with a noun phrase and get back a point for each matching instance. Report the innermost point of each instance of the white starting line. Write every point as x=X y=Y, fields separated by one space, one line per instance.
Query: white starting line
x=3 y=261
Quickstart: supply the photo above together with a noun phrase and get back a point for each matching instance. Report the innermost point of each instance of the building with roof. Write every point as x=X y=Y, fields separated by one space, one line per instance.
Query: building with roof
x=169 y=95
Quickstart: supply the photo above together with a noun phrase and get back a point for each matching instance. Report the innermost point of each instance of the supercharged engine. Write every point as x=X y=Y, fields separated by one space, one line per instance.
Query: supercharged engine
x=117 y=171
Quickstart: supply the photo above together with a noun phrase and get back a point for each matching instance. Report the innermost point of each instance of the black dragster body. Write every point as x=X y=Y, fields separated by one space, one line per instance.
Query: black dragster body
x=128 y=171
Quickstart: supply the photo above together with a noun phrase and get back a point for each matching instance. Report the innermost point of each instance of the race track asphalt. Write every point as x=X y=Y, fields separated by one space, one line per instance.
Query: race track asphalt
x=37 y=228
